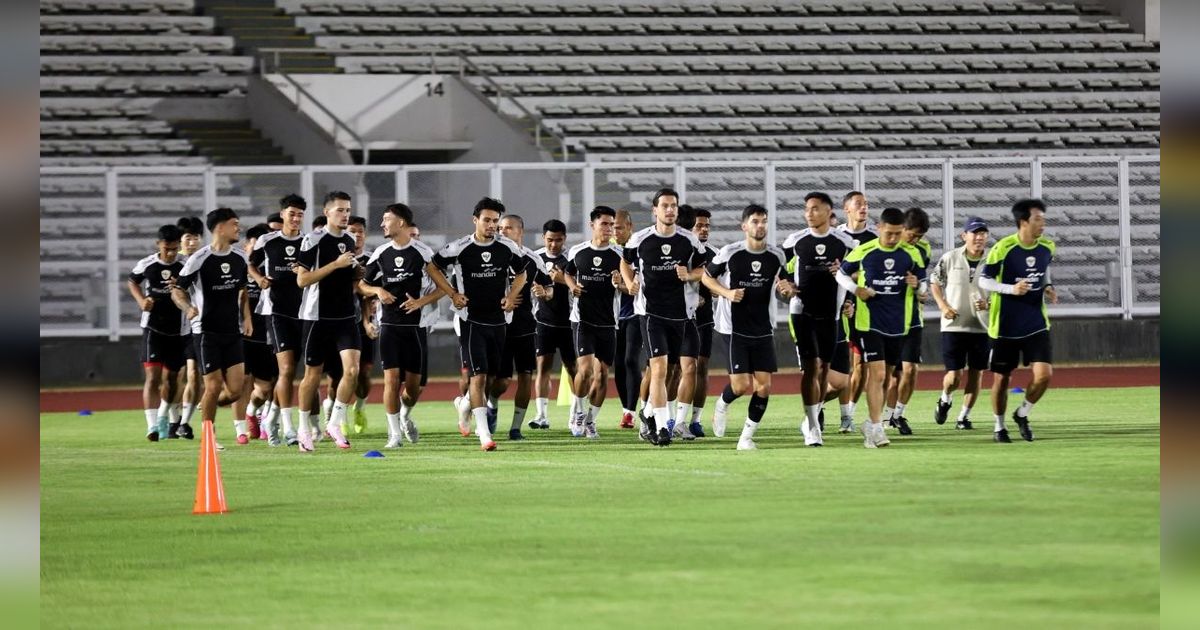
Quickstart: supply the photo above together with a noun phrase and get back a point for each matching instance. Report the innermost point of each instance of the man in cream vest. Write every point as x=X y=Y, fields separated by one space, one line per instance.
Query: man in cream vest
x=954 y=283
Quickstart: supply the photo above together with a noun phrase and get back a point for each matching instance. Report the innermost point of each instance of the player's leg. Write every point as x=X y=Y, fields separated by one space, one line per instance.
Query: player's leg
x=241 y=417
x=313 y=350
x=619 y=368
x=524 y=364
x=414 y=364
x=875 y=357
x=346 y=342
x=1036 y=350
x=584 y=366
x=392 y=384
x=700 y=397
x=545 y=348
x=362 y=389
x=487 y=351
x=599 y=392
x=761 y=393
x=151 y=395
x=686 y=392
x=910 y=362
x=970 y=395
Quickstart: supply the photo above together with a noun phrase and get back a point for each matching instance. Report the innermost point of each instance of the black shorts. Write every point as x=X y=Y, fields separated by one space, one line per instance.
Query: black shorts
x=550 y=340
x=219 y=351
x=841 y=357
x=519 y=356
x=911 y=352
x=404 y=348
x=325 y=338
x=748 y=355
x=855 y=340
x=366 y=347
x=164 y=350
x=1032 y=349
x=260 y=360
x=189 y=347
x=880 y=347
x=965 y=350
x=287 y=333
x=600 y=341
x=667 y=337
x=702 y=339
x=815 y=338
x=482 y=348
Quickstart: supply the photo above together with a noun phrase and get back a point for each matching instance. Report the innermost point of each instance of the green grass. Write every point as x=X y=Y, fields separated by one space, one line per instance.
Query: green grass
x=942 y=529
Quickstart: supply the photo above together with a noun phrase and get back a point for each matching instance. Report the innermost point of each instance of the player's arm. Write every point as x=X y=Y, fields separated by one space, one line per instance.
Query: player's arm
x=439 y=279
x=851 y=267
x=306 y=276
x=572 y=285
x=184 y=302
x=257 y=257
x=543 y=286
x=518 y=283
x=247 y=321
x=135 y=289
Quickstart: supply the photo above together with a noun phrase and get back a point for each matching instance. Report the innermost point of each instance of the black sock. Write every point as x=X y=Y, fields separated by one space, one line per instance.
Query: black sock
x=727 y=395
x=758 y=407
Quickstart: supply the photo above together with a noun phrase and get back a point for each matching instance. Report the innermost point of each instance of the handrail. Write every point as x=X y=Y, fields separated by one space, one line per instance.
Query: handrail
x=464 y=63
x=366 y=150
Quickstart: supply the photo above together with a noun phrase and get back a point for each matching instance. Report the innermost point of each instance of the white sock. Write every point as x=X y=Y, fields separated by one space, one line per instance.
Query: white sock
x=251 y=408
x=163 y=406
x=1025 y=408
x=887 y=414
x=593 y=413
x=327 y=408
x=272 y=412
x=481 y=425
x=964 y=412
x=174 y=411
x=847 y=410
x=493 y=402
x=359 y=403
x=189 y=410
x=661 y=417
x=684 y=412
x=696 y=413
x=338 y=415
x=151 y=419
x=306 y=422
x=898 y=412
x=947 y=398
x=581 y=407
x=999 y=422
x=748 y=429
x=239 y=427
x=393 y=420
x=518 y=418
x=542 y=403
x=404 y=411
x=286 y=414
x=813 y=413
x=672 y=407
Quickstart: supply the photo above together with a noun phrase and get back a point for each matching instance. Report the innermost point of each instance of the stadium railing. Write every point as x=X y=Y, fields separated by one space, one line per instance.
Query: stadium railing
x=1104 y=212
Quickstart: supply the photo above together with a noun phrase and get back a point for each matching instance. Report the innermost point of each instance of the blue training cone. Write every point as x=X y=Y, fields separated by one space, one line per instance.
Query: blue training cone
x=1018 y=390
x=373 y=454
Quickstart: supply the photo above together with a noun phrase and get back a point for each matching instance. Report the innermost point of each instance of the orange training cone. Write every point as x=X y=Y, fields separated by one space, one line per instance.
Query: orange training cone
x=210 y=493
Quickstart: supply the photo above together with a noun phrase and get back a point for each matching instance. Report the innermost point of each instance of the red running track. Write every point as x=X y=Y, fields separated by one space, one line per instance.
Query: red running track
x=72 y=400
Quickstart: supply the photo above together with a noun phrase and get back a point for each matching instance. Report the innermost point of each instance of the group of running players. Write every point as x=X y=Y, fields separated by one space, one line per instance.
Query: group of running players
x=227 y=323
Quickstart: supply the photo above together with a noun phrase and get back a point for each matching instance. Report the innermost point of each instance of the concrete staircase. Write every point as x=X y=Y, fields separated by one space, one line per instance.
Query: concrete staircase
x=230 y=142
x=258 y=24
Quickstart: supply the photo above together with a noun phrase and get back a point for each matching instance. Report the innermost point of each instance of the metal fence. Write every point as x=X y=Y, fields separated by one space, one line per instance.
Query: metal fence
x=1104 y=212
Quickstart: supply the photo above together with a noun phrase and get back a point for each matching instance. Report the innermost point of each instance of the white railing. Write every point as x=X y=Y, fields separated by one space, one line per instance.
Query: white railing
x=1113 y=196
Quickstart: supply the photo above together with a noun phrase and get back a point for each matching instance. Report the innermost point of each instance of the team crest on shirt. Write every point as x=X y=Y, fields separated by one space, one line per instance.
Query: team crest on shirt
x=166 y=274
x=756 y=266
x=597 y=260
x=486 y=256
x=1030 y=261
x=666 y=249
x=342 y=247
x=224 y=267
x=399 y=262
x=889 y=263
x=290 y=250
x=820 y=249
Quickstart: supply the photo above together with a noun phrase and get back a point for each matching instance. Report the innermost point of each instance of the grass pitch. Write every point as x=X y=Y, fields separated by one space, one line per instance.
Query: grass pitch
x=941 y=529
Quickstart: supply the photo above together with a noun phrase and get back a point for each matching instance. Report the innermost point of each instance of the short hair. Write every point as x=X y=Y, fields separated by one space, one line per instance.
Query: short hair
x=752 y=210
x=219 y=216
x=169 y=233
x=554 y=226
x=663 y=192
x=892 y=216
x=319 y=221
x=402 y=212
x=850 y=195
x=625 y=215
x=487 y=203
x=603 y=211
x=703 y=213
x=336 y=195
x=686 y=218
x=274 y=217
x=1024 y=208
x=292 y=201
x=357 y=220
x=191 y=225
x=516 y=217
x=822 y=197
x=258 y=230
x=916 y=219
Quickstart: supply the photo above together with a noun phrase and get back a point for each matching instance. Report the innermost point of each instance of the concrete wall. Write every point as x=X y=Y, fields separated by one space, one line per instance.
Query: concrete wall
x=79 y=362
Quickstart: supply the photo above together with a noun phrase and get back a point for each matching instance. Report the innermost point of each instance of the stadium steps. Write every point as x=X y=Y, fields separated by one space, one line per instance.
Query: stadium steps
x=230 y=142
x=256 y=24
